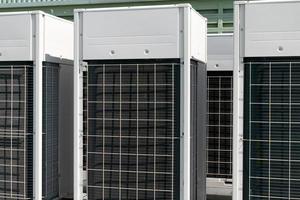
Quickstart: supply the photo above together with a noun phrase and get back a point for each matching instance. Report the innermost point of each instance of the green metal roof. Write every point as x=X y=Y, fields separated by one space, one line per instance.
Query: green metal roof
x=218 y=12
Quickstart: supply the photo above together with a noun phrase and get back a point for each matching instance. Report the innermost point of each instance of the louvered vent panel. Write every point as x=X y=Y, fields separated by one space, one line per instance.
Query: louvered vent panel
x=198 y=131
x=50 y=131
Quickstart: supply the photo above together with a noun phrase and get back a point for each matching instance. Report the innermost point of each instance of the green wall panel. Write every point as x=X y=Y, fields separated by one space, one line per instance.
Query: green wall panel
x=218 y=12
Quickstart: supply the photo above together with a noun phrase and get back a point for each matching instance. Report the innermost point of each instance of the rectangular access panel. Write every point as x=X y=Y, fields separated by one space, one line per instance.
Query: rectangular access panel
x=131 y=107
x=16 y=44
x=30 y=131
x=267 y=135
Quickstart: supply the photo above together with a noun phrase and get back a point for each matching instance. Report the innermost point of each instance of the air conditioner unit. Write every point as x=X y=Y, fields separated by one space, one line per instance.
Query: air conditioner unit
x=35 y=52
x=266 y=87
x=144 y=70
x=220 y=104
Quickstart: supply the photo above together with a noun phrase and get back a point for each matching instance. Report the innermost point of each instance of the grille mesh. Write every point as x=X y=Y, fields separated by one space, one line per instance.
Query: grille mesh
x=50 y=130
x=272 y=131
x=132 y=126
x=219 y=136
x=16 y=132
x=197 y=122
x=84 y=77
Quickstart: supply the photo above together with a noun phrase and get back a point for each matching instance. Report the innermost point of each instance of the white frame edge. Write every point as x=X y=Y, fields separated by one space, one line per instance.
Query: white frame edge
x=237 y=110
x=38 y=107
x=78 y=185
x=186 y=103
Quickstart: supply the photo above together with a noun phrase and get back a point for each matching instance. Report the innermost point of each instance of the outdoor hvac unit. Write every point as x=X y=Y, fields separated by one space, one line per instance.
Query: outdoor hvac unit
x=145 y=103
x=35 y=81
x=266 y=87
x=219 y=129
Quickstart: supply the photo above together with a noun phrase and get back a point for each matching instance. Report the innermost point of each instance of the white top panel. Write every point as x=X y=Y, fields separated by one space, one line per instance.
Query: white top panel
x=198 y=36
x=220 y=52
x=131 y=33
x=15 y=37
x=58 y=38
x=272 y=29
x=19 y=36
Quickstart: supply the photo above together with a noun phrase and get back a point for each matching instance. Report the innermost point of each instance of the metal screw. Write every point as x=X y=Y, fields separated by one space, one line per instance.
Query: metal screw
x=112 y=52
x=280 y=49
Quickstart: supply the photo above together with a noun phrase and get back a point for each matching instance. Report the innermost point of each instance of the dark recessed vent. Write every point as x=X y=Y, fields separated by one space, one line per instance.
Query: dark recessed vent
x=133 y=130
x=84 y=101
x=198 y=130
x=16 y=130
x=50 y=131
x=219 y=131
x=272 y=130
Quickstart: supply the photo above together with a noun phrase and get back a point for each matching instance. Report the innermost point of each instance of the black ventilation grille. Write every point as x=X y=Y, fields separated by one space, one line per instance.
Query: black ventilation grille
x=16 y=131
x=272 y=130
x=198 y=130
x=219 y=130
x=133 y=129
x=50 y=131
x=84 y=78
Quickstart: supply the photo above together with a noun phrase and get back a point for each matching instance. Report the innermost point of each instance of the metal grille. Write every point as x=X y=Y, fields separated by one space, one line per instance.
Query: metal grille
x=133 y=142
x=84 y=77
x=272 y=130
x=50 y=131
x=219 y=139
x=16 y=132
x=198 y=130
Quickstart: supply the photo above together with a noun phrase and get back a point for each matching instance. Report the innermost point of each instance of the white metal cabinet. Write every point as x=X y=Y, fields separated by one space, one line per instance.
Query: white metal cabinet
x=143 y=42
x=265 y=91
x=220 y=106
x=34 y=47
